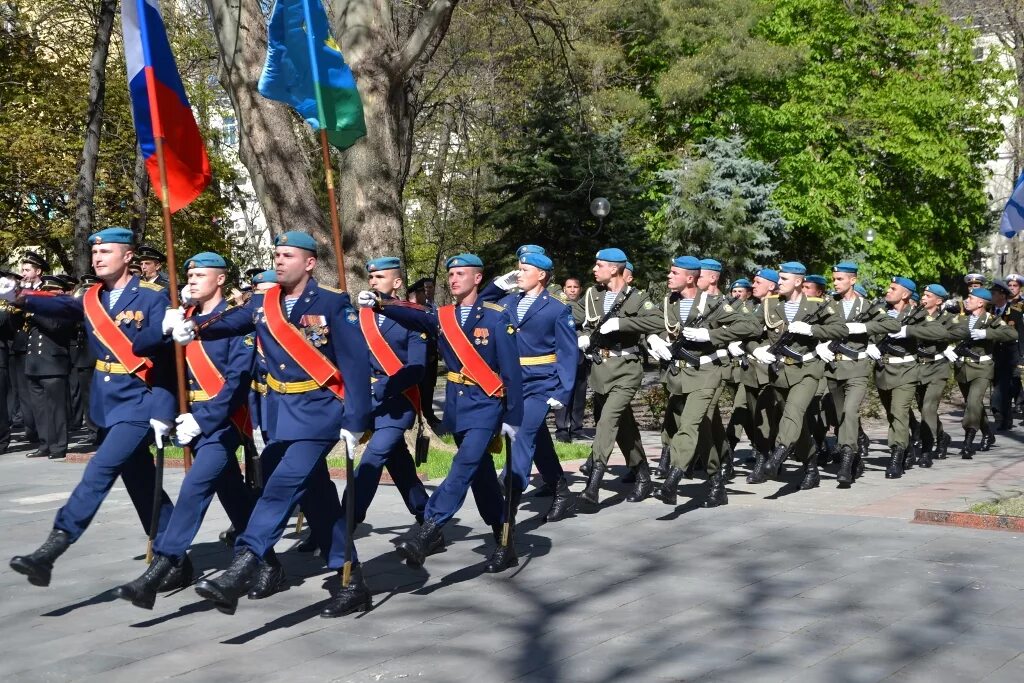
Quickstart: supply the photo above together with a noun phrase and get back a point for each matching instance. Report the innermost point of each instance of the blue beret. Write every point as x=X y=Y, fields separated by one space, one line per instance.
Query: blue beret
x=915 y=297
x=686 y=262
x=793 y=268
x=768 y=274
x=710 y=264
x=265 y=276
x=905 y=282
x=937 y=290
x=113 y=235
x=971 y=278
x=612 y=255
x=206 y=259
x=742 y=282
x=537 y=260
x=981 y=293
x=464 y=260
x=294 y=238
x=383 y=263
x=629 y=266
x=859 y=288
x=529 y=249
x=845 y=267
x=816 y=279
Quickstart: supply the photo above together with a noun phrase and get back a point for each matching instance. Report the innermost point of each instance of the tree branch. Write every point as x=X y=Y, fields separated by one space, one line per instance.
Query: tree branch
x=435 y=17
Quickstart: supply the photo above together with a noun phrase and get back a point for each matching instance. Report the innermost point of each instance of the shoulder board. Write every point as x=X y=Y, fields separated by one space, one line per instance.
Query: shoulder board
x=771 y=296
x=493 y=306
x=152 y=285
x=330 y=289
x=561 y=297
x=815 y=299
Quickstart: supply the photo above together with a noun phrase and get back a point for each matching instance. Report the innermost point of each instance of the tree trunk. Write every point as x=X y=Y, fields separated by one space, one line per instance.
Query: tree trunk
x=85 y=187
x=140 y=197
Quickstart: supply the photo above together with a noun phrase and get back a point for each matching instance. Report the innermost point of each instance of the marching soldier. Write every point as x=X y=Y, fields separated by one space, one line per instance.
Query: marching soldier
x=1013 y=281
x=151 y=262
x=933 y=371
x=612 y=318
x=732 y=376
x=977 y=332
x=1005 y=355
x=483 y=400
x=821 y=415
x=318 y=393
x=132 y=396
x=218 y=419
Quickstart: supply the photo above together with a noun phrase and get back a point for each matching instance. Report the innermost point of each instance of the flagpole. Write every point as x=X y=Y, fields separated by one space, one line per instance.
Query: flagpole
x=339 y=259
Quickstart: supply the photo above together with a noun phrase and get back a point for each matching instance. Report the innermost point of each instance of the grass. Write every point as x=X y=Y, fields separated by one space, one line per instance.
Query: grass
x=1013 y=506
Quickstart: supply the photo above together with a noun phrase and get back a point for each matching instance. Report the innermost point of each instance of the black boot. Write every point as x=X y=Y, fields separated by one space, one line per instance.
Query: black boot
x=909 y=457
x=355 y=597
x=812 y=478
x=504 y=555
x=757 y=475
x=308 y=545
x=773 y=465
x=586 y=467
x=226 y=589
x=858 y=467
x=666 y=493
x=664 y=462
x=725 y=467
x=989 y=439
x=629 y=477
x=716 y=492
x=943 y=449
x=39 y=564
x=863 y=445
x=822 y=454
x=563 y=503
x=180 y=576
x=968 y=450
x=269 y=578
x=427 y=540
x=895 y=469
x=592 y=493
x=228 y=536
x=924 y=459
x=846 y=463
x=142 y=591
x=545 y=490
x=644 y=484
x=688 y=472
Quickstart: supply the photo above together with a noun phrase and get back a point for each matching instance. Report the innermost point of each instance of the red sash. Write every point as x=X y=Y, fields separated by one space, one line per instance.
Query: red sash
x=211 y=381
x=473 y=366
x=111 y=336
x=384 y=354
x=295 y=344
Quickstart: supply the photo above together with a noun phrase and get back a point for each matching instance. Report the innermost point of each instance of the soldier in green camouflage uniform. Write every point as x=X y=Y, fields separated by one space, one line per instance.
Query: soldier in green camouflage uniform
x=933 y=358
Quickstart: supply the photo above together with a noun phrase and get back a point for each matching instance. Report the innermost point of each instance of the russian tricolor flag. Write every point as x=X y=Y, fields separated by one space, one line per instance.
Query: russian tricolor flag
x=160 y=107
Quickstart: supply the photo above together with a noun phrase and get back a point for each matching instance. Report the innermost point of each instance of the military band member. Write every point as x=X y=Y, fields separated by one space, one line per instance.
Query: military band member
x=83 y=364
x=132 y=395
x=151 y=262
x=318 y=384
x=47 y=367
x=933 y=371
x=32 y=268
x=1005 y=355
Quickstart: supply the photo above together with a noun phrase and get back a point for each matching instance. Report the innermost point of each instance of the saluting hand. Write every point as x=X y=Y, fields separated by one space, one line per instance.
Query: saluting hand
x=507 y=281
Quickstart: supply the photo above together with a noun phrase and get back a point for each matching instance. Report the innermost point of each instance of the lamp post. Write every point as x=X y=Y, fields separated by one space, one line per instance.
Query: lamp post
x=869 y=236
x=1002 y=259
x=600 y=208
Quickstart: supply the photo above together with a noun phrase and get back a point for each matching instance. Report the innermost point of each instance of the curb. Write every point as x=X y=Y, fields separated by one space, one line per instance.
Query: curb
x=969 y=520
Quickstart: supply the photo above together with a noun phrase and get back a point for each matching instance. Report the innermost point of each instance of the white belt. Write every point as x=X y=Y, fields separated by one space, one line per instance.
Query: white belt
x=705 y=360
x=899 y=360
x=611 y=353
x=929 y=359
x=980 y=360
x=861 y=355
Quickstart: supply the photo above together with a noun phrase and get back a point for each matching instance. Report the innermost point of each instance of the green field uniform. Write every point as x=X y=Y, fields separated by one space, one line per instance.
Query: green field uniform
x=761 y=400
x=932 y=375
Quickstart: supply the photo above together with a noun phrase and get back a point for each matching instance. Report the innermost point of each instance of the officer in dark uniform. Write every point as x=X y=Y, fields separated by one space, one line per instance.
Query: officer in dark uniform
x=47 y=366
x=83 y=362
x=9 y=319
x=151 y=262
x=33 y=265
x=422 y=292
x=1004 y=354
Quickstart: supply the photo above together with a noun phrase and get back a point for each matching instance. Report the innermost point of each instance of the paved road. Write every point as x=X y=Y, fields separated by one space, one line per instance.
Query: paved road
x=825 y=585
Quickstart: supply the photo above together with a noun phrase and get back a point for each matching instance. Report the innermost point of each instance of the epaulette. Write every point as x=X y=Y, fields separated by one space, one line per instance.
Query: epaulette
x=331 y=289
x=493 y=306
x=771 y=296
x=561 y=297
x=152 y=285
x=815 y=299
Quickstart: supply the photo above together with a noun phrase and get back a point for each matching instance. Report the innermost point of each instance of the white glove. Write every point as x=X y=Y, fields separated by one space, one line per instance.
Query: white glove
x=978 y=334
x=507 y=281
x=555 y=403
x=187 y=428
x=762 y=354
x=800 y=327
x=660 y=348
x=857 y=328
x=736 y=349
x=824 y=352
x=873 y=352
x=950 y=354
x=696 y=334
x=8 y=289
x=172 y=317
x=184 y=332
x=366 y=299
x=185 y=297
x=351 y=439
x=902 y=334
x=509 y=431
x=583 y=342
x=608 y=326
x=161 y=428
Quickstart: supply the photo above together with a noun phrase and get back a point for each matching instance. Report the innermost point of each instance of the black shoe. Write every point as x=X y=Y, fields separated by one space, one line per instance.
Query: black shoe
x=563 y=438
x=180 y=576
x=664 y=462
x=592 y=493
x=726 y=467
x=38 y=453
x=858 y=468
x=773 y=464
x=910 y=456
x=924 y=459
x=812 y=477
x=546 y=490
x=355 y=597
x=757 y=474
x=823 y=455
x=57 y=456
x=586 y=467
x=863 y=445
x=666 y=493
x=39 y=565
x=716 y=493
x=142 y=591
x=563 y=503
x=644 y=484
x=988 y=442
x=225 y=590
x=629 y=477
x=895 y=468
x=846 y=467
x=944 y=442
x=504 y=557
x=967 y=451
x=427 y=540
x=228 y=536
x=269 y=578
x=308 y=545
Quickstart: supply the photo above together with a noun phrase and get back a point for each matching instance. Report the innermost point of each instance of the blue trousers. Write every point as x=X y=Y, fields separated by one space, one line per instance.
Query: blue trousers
x=214 y=470
x=533 y=445
x=473 y=467
x=387 y=449
x=297 y=471
x=124 y=452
